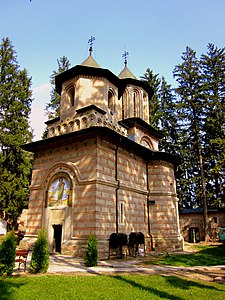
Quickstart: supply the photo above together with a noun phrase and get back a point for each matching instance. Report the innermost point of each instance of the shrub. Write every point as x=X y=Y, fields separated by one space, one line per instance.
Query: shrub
x=91 y=253
x=40 y=255
x=7 y=254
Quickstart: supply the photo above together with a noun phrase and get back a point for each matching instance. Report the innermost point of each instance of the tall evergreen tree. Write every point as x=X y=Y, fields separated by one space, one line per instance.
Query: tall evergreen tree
x=168 y=118
x=15 y=107
x=52 y=108
x=154 y=82
x=191 y=106
x=213 y=74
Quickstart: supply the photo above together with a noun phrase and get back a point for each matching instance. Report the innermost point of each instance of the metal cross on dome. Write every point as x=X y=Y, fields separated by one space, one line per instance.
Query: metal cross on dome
x=90 y=42
x=125 y=55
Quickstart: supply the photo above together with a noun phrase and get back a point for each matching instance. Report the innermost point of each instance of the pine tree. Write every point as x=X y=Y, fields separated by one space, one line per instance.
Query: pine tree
x=154 y=105
x=15 y=107
x=213 y=71
x=52 y=108
x=168 y=118
x=191 y=121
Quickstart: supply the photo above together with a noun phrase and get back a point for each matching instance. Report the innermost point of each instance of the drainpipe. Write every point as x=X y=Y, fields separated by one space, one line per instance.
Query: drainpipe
x=148 y=209
x=118 y=185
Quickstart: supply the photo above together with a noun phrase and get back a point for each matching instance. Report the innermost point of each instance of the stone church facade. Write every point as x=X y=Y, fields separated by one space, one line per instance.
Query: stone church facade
x=100 y=171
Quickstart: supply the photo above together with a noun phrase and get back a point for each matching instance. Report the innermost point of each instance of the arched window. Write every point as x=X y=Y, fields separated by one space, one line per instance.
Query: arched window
x=77 y=125
x=71 y=95
x=146 y=142
x=111 y=100
x=135 y=103
x=84 y=122
x=125 y=112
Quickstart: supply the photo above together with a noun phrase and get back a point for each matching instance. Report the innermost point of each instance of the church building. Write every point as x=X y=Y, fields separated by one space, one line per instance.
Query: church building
x=100 y=171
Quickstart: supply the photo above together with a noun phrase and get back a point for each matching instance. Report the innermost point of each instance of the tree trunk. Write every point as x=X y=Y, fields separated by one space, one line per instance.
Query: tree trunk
x=204 y=199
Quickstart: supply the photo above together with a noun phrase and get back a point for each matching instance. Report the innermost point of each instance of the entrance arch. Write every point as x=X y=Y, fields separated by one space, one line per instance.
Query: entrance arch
x=59 y=198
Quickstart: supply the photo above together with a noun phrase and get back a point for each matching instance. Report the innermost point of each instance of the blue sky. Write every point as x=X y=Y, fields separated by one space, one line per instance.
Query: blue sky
x=154 y=32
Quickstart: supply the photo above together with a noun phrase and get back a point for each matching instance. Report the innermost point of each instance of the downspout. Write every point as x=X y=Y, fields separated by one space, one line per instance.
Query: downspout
x=118 y=185
x=148 y=209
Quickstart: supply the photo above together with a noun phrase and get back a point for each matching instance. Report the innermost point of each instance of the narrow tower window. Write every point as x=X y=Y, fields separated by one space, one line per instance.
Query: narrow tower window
x=71 y=95
x=135 y=103
x=111 y=100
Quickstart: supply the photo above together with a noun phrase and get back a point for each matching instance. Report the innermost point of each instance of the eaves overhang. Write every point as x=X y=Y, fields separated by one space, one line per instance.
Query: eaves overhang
x=104 y=133
x=80 y=70
x=138 y=122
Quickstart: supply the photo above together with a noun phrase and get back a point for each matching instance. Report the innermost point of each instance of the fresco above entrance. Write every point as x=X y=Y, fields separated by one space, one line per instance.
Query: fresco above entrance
x=59 y=192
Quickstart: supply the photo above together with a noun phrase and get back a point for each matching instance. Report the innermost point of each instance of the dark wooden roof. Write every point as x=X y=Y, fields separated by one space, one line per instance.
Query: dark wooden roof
x=200 y=210
x=80 y=70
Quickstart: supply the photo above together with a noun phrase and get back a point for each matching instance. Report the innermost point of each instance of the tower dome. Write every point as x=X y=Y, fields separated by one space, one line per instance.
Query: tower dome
x=90 y=62
x=126 y=73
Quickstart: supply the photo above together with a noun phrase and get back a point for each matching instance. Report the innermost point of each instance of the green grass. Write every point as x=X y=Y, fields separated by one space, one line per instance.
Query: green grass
x=204 y=256
x=107 y=287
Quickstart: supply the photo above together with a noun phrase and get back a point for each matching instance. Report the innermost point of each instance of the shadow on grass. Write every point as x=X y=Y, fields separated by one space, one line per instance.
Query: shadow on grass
x=204 y=256
x=173 y=281
x=151 y=290
x=8 y=288
x=187 y=284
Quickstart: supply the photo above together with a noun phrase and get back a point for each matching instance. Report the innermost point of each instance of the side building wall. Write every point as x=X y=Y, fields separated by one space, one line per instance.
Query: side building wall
x=191 y=223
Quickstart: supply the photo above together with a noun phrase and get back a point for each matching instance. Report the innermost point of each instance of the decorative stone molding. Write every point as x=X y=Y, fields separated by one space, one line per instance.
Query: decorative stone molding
x=82 y=120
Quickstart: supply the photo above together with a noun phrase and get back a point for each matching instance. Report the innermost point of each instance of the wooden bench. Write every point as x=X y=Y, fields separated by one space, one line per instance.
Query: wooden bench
x=21 y=257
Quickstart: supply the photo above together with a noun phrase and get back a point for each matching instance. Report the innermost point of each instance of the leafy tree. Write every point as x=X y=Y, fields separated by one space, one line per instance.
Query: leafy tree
x=7 y=254
x=15 y=107
x=40 y=255
x=91 y=253
x=154 y=105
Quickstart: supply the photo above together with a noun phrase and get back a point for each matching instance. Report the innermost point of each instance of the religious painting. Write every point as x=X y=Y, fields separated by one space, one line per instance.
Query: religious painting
x=59 y=192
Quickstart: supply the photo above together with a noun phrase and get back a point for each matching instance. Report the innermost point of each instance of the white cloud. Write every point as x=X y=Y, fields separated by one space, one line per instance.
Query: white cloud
x=41 y=95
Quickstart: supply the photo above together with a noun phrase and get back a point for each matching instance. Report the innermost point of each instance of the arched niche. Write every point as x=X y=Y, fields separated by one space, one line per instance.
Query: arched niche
x=70 y=91
x=59 y=190
x=146 y=142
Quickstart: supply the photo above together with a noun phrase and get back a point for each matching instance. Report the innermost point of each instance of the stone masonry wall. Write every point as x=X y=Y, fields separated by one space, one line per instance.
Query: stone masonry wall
x=91 y=163
x=81 y=160
x=164 y=219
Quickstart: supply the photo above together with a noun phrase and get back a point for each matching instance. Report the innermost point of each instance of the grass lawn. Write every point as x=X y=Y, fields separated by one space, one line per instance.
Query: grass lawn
x=202 y=256
x=48 y=287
